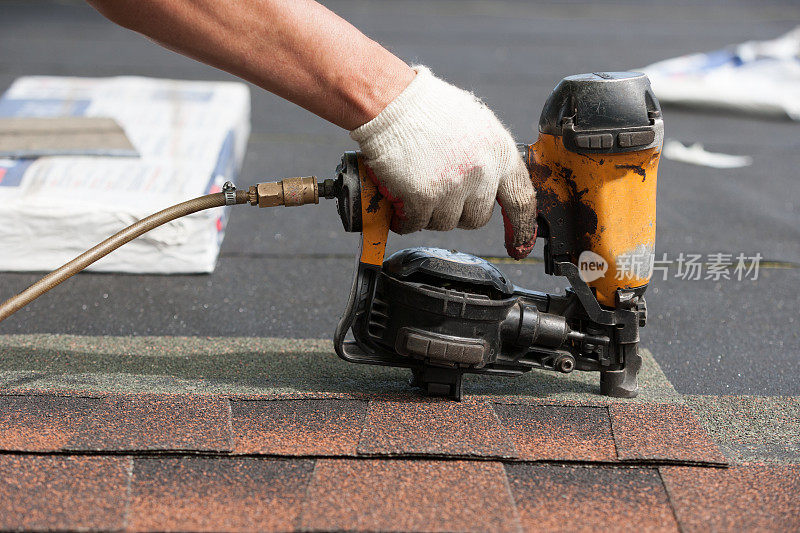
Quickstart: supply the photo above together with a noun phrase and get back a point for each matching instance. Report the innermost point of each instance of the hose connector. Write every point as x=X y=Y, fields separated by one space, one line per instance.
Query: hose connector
x=289 y=192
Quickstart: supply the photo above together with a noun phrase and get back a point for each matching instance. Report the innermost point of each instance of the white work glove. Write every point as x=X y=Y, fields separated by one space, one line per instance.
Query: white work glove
x=442 y=157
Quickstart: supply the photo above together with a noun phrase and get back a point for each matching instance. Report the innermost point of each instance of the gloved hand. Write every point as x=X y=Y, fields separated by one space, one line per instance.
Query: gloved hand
x=442 y=157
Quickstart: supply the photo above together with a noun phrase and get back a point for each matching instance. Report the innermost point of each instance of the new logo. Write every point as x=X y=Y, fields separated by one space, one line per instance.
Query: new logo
x=591 y=266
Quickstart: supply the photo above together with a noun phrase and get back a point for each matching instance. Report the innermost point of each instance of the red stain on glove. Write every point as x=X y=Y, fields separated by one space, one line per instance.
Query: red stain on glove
x=520 y=251
x=398 y=215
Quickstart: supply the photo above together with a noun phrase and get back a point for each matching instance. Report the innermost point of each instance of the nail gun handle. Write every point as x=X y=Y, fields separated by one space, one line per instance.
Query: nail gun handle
x=376 y=216
x=362 y=207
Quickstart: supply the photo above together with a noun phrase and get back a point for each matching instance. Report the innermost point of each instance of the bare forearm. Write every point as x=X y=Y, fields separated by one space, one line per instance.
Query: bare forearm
x=296 y=49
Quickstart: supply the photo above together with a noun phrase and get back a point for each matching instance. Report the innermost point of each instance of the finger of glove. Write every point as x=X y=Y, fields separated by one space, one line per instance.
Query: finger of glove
x=446 y=216
x=517 y=198
x=477 y=212
x=409 y=213
x=416 y=216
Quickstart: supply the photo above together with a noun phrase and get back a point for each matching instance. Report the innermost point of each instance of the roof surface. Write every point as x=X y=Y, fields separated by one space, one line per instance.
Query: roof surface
x=164 y=433
x=219 y=409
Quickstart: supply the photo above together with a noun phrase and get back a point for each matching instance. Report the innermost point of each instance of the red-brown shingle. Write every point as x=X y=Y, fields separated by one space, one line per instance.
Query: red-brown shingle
x=431 y=426
x=661 y=432
x=126 y=422
x=156 y=422
x=66 y=493
x=753 y=497
x=591 y=499
x=297 y=427
x=217 y=493
x=408 y=495
x=559 y=432
x=39 y=423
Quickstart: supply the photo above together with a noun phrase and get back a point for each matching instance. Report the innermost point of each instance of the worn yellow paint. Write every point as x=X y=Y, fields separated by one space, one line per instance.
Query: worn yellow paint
x=376 y=215
x=620 y=189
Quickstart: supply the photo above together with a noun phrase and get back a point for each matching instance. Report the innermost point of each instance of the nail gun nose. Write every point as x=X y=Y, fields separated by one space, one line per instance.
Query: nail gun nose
x=589 y=339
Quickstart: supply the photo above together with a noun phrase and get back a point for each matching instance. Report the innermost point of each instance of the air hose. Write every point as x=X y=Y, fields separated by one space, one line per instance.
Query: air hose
x=289 y=192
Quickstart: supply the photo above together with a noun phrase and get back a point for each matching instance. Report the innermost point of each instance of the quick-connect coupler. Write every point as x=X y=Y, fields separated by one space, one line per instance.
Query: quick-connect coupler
x=290 y=192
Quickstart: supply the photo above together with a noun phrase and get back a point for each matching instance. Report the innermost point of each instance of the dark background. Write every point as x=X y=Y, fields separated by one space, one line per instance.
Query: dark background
x=286 y=272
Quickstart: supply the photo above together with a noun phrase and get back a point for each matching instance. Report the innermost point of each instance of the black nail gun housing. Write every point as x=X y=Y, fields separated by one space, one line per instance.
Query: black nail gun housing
x=444 y=313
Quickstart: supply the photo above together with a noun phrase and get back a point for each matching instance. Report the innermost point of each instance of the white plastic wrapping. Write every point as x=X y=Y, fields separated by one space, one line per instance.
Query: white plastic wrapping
x=191 y=137
x=756 y=77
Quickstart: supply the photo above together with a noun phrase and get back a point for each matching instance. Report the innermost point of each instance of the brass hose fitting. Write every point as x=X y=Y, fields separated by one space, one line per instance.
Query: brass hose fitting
x=289 y=192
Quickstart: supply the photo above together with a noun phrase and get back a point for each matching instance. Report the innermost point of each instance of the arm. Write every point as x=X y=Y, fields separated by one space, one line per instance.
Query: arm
x=299 y=50
x=437 y=152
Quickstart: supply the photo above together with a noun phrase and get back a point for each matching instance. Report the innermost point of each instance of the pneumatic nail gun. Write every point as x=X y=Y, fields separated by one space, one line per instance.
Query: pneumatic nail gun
x=443 y=313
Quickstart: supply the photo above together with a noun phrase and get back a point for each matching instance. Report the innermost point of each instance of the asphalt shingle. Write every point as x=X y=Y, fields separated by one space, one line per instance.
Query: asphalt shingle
x=126 y=422
x=395 y=425
x=398 y=495
x=38 y=423
x=751 y=497
x=297 y=427
x=591 y=499
x=661 y=432
x=751 y=428
x=559 y=432
x=264 y=367
x=42 y=492
x=217 y=493
x=156 y=422
x=433 y=426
